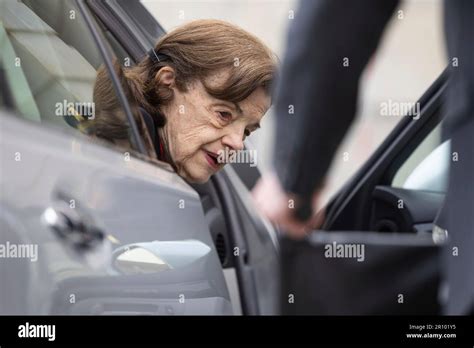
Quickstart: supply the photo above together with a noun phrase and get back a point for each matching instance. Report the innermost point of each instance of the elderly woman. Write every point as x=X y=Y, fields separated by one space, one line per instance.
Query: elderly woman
x=201 y=90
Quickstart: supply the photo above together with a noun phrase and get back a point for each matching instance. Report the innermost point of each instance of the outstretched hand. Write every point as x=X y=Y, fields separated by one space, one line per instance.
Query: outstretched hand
x=278 y=206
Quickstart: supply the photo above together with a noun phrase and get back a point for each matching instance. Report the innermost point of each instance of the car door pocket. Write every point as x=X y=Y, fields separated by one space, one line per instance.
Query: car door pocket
x=360 y=273
x=215 y=220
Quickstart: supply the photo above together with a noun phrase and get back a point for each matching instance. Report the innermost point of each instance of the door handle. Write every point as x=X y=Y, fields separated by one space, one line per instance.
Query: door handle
x=73 y=226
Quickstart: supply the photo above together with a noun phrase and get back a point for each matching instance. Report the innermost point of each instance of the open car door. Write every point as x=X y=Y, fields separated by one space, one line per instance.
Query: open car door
x=379 y=249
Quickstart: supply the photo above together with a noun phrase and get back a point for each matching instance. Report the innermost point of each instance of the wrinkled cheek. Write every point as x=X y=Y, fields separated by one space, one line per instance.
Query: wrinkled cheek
x=184 y=155
x=188 y=165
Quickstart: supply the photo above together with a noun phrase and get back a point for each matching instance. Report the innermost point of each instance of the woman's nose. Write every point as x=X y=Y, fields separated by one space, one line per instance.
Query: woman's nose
x=234 y=141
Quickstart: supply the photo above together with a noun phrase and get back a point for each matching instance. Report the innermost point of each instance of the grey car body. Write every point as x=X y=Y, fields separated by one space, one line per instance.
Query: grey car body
x=115 y=234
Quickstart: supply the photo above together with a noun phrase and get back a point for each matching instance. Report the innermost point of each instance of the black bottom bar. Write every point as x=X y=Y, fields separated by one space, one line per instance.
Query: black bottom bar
x=136 y=331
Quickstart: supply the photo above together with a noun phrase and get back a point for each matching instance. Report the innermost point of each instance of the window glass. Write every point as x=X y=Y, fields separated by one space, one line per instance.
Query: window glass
x=427 y=167
x=51 y=64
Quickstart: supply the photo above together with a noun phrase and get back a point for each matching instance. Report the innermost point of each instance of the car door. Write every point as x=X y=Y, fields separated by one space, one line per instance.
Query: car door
x=247 y=244
x=379 y=248
x=86 y=227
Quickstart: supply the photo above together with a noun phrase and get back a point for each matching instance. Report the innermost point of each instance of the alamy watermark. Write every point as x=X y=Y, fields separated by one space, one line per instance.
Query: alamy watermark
x=239 y=156
x=345 y=251
x=20 y=251
x=28 y=330
x=84 y=109
x=394 y=108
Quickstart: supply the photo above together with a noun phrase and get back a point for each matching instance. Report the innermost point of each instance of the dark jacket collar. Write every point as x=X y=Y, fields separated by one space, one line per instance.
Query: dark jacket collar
x=155 y=137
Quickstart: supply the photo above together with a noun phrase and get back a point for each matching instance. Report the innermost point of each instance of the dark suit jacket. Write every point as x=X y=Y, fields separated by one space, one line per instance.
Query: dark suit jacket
x=321 y=92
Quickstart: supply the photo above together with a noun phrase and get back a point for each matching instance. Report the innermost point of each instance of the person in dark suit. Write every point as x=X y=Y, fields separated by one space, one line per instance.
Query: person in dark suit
x=329 y=44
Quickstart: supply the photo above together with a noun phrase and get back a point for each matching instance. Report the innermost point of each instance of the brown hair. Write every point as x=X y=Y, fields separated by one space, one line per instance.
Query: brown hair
x=195 y=50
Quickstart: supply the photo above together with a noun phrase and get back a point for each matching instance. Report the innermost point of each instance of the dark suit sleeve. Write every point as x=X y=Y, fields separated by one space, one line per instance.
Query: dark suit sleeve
x=459 y=33
x=458 y=124
x=319 y=88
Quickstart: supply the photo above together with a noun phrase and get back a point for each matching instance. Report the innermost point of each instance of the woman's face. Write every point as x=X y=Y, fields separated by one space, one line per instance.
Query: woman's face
x=199 y=127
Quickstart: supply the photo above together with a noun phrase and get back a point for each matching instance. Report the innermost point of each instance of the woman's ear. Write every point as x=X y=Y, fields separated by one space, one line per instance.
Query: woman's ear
x=166 y=77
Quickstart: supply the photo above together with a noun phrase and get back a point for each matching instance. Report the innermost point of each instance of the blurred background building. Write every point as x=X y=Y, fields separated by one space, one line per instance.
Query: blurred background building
x=409 y=59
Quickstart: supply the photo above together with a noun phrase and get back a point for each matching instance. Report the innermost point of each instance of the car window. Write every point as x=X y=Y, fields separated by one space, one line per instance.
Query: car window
x=50 y=64
x=427 y=167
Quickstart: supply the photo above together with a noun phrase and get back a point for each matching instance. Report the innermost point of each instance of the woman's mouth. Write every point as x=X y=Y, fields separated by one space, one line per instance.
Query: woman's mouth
x=212 y=159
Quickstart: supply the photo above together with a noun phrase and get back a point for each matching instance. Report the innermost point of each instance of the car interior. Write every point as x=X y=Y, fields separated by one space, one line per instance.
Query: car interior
x=399 y=193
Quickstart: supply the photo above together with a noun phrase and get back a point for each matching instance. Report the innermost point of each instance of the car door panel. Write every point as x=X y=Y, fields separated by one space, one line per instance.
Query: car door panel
x=254 y=244
x=386 y=274
x=135 y=204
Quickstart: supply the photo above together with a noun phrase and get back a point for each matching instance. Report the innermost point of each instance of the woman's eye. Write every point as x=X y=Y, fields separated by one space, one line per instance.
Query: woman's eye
x=247 y=133
x=226 y=116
